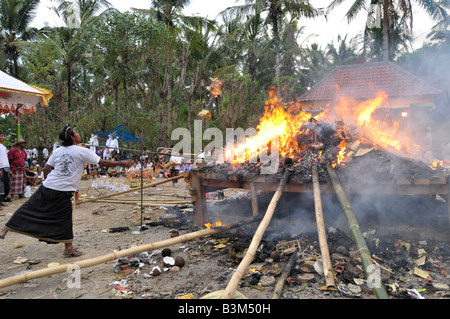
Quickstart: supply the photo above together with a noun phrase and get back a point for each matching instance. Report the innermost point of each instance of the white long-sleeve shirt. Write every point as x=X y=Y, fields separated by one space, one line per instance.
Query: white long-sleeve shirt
x=4 y=162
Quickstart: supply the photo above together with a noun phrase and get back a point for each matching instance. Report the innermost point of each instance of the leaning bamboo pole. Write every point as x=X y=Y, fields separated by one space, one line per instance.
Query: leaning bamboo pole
x=326 y=261
x=251 y=252
x=448 y=198
x=373 y=278
x=123 y=253
x=129 y=190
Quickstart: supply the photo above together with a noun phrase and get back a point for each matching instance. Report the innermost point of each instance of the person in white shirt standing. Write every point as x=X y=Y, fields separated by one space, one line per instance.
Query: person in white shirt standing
x=47 y=215
x=45 y=153
x=4 y=170
x=34 y=154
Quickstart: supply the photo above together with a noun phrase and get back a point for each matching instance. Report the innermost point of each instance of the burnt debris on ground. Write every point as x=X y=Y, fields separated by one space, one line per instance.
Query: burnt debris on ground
x=408 y=269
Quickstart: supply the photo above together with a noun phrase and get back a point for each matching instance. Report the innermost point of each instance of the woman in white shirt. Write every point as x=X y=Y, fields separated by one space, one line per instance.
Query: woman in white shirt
x=47 y=215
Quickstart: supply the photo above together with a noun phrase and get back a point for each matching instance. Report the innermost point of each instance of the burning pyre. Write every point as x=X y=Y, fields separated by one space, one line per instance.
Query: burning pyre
x=333 y=136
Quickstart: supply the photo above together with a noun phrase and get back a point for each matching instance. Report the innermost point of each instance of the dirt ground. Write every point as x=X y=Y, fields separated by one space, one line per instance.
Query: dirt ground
x=208 y=262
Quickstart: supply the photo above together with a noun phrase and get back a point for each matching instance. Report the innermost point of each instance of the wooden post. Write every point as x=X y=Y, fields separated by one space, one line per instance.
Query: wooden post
x=122 y=253
x=371 y=270
x=280 y=284
x=255 y=207
x=326 y=261
x=251 y=252
x=199 y=199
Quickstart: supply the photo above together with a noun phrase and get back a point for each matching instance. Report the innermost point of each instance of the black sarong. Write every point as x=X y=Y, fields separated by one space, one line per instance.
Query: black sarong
x=47 y=216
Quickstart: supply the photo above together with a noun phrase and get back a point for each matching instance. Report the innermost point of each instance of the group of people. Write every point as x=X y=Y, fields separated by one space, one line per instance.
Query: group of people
x=47 y=214
x=19 y=168
x=13 y=170
x=157 y=166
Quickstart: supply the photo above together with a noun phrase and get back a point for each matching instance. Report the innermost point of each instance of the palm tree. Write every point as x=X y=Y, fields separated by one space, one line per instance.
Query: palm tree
x=170 y=13
x=441 y=31
x=15 y=17
x=404 y=12
x=276 y=10
x=344 y=53
x=76 y=15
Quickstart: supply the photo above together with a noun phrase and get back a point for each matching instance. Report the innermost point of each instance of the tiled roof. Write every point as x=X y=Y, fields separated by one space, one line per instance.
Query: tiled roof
x=363 y=81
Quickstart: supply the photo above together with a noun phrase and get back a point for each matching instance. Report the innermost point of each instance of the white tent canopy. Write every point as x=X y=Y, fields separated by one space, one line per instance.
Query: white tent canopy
x=15 y=94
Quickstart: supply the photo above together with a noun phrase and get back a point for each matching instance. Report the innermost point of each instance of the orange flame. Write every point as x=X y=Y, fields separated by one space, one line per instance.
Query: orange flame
x=216 y=224
x=367 y=122
x=276 y=122
x=440 y=163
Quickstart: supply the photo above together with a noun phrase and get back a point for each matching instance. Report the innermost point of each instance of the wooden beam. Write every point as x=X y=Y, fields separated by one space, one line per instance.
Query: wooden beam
x=382 y=189
x=199 y=199
x=255 y=208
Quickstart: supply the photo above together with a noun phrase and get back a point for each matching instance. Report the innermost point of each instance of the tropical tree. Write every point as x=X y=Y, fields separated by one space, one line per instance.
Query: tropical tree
x=275 y=10
x=128 y=75
x=76 y=15
x=343 y=52
x=15 y=18
x=187 y=30
x=383 y=15
x=440 y=33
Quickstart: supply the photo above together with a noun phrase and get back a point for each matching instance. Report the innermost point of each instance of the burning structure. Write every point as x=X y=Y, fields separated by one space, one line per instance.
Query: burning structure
x=369 y=122
x=366 y=125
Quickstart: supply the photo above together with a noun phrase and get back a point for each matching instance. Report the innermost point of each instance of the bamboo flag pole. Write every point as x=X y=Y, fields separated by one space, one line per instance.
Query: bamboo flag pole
x=123 y=253
x=139 y=188
x=373 y=280
x=251 y=252
x=326 y=261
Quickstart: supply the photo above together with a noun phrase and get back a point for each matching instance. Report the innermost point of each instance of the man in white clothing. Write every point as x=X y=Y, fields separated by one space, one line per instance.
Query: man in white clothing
x=4 y=170
x=45 y=153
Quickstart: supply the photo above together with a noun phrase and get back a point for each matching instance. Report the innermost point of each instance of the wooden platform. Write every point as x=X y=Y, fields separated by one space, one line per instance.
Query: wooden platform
x=202 y=183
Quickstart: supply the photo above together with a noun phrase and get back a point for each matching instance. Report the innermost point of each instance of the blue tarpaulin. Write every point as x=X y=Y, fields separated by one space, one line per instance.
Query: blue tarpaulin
x=123 y=134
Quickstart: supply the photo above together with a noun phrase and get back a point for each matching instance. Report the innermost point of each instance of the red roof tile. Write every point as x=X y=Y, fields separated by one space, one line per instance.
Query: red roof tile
x=363 y=81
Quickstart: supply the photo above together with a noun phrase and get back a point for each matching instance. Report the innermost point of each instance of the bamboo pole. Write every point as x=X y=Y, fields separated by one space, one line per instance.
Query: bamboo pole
x=255 y=208
x=123 y=253
x=145 y=204
x=122 y=200
x=129 y=190
x=448 y=198
x=280 y=284
x=251 y=252
x=374 y=280
x=326 y=261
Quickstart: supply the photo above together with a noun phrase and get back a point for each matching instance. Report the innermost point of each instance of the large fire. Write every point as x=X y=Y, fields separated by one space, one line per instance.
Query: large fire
x=363 y=122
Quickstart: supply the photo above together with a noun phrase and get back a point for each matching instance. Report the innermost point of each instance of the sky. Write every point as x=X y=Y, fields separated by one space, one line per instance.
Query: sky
x=322 y=31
